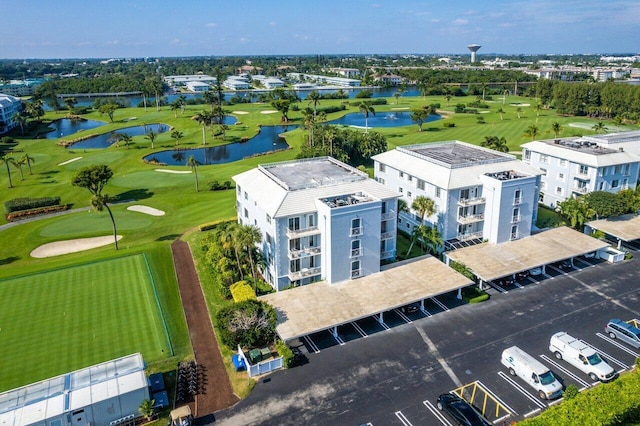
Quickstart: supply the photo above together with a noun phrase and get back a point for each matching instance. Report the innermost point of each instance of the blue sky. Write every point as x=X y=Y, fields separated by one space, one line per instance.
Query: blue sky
x=139 y=28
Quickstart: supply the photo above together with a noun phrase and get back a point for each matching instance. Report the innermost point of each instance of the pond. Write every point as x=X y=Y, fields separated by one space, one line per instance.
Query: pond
x=269 y=139
x=105 y=140
x=381 y=119
x=68 y=126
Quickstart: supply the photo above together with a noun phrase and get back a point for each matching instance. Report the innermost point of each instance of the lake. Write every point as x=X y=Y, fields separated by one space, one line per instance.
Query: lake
x=381 y=119
x=105 y=140
x=68 y=126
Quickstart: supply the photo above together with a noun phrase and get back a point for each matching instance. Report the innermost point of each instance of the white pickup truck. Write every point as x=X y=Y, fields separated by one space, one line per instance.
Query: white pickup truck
x=581 y=356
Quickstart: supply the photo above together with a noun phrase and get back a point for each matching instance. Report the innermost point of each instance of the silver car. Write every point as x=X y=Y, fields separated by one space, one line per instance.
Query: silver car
x=618 y=329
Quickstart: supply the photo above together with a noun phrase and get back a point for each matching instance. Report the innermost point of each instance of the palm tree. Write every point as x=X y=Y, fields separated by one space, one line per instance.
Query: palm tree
x=177 y=135
x=28 y=159
x=518 y=111
x=495 y=143
x=183 y=101
x=7 y=160
x=366 y=109
x=152 y=137
x=248 y=237
x=433 y=240
x=125 y=138
x=146 y=408
x=532 y=132
x=204 y=119
x=21 y=119
x=18 y=165
x=600 y=127
x=175 y=106
x=500 y=111
x=314 y=99
x=537 y=109
x=556 y=128
x=424 y=206
x=193 y=163
x=223 y=129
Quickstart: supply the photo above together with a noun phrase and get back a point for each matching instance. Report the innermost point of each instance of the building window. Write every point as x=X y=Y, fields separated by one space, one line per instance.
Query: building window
x=437 y=192
x=561 y=177
x=421 y=184
x=558 y=190
x=356 y=249
x=381 y=180
x=562 y=162
x=410 y=178
x=618 y=169
x=601 y=186
x=544 y=171
x=294 y=265
x=382 y=167
x=626 y=169
x=268 y=238
x=514 y=232
x=625 y=183
x=527 y=154
x=239 y=190
x=294 y=223
x=355 y=269
x=356 y=227
x=311 y=221
x=409 y=194
x=515 y=217
x=464 y=194
x=583 y=170
x=544 y=158
x=268 y=219
x=246 y=197
x=400 y=190
x=246 y=213
x=401 y=174
x=615 y=183
x=517 y=196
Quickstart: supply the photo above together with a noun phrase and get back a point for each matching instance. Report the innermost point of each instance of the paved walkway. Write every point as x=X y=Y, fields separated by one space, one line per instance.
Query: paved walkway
x=218 y=393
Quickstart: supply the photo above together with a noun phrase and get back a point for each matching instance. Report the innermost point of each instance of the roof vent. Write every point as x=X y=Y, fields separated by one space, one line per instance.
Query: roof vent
x=621 y=149
x=557 y=141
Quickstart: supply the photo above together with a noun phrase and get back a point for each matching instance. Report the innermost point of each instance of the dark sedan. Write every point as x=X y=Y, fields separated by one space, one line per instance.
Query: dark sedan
x=461 y=411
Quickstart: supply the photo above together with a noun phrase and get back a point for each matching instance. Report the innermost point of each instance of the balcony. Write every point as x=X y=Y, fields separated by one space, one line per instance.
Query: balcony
x=387 y=254
x=302 y=232
x=515 y=219
x=356 y=232
x=356 y=273
x=387 y=235
x=515 y=235
x=580 y=189
x=357 y=252
x=388 y=215
x=471 y=201
x=471 y=218
x=308 y=251
x=517 y=201
x=469 y=236
x=304 y=273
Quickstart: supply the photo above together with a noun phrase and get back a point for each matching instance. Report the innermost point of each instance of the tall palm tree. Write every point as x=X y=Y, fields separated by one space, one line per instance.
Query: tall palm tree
x=204 y=119
x=366 y=109
x=537 y=109
x=193 y=163
x=424 y=206
x=175 y=106
x=556 y=128
x=183 y=101
x=28 y=159
x=18 y=165
x=7 y=161
x=223 y=129
x=177 y=135
x=314 y=99
x=248 y=237
x=500 y=111
x=532 y=132
x=518 y=111
x=151 y=136
x=125 y=138
x=495 y=143
x=21 y=119
x=433 y=240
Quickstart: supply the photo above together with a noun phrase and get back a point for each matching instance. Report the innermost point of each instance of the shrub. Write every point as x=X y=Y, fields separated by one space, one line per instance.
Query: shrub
x=480 y=119
x=460 y=107
x=571 y=392
x=241 y=291
x=295 y=107
x=251 y=323
x=216 y=186
x=364 y=94
x=286 y=353
x=333 y=108
x=23 y=214
x=374 y=101
x=209 y=226
x=474 y=295
x=470 y=111
x=448 y=124
x=18 y=204
x=598 y=234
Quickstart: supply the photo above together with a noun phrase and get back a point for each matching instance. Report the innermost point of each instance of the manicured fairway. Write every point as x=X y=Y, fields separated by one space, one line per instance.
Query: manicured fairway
x=62 y=320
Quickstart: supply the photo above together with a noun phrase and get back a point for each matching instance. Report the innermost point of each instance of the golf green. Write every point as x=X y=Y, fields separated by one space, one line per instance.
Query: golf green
x=65 y=319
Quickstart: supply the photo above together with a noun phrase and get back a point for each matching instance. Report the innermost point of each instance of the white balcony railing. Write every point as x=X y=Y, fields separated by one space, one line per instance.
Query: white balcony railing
x=357 y=252
x=387 y=235
x=580 y=189
x=302 y=232
x=389 y=215
x=471 y=218
x=356 y=273
x=471 y=201
x=517 y=201
x=515 y=218
x=469 y=236
x=515 y=235
x=304 y=273
x=308 y=251
x=355 y=232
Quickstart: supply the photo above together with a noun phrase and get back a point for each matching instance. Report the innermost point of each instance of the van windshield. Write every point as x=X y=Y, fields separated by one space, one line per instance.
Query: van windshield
x=547 y=378
x=594 y=359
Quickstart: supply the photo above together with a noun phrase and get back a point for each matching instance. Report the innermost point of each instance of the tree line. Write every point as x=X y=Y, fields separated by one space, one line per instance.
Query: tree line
x=599 y=205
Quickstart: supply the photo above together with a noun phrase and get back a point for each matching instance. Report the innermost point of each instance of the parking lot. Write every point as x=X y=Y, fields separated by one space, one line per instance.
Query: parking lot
x=379 y=375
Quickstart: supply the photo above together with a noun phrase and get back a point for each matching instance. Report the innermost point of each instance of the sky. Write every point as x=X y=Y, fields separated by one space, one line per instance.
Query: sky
x=161 y=28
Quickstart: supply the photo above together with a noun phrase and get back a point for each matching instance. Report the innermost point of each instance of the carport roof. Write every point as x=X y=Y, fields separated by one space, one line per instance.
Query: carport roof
x=491 y=261
x=626 y=228
x=320 y=306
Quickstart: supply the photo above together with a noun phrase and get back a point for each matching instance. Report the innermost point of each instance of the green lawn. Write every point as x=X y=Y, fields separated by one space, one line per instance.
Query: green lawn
x=65 y=319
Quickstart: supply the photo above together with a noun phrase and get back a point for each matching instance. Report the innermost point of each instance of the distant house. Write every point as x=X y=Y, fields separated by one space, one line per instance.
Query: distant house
x=268 y=82
x=346 y=72
x=328 y=80
x=236 y=83
x=249 y=69
x=197 y=86
x=389 y=79
x=182 y=80
x=9 y=105
x=21 y=87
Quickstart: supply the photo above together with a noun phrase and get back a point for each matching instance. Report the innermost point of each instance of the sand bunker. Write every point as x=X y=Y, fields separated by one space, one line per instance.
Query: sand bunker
x=239 y=112
x=518 y=104
x=69 y=161
x=146 y=210
x=399 y=108
x=268 y=111
x=71 y=246
x=173 y=171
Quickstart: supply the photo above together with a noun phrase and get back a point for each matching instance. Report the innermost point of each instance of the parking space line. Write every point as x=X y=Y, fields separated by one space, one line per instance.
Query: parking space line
x=583 y=383
x=497 y=287
x=337 y=338
x=504 y=404
x=403 y=316
x=517 y=284
x=312 y=345
x=607 y=356
x=359 y=329
x=382 y=324
x=436 y=413
x=425 y=312
x=548 y=276
x=403 y=418
x=619 y=345
x=439 y=303
x=586 y=262
x=522 y=390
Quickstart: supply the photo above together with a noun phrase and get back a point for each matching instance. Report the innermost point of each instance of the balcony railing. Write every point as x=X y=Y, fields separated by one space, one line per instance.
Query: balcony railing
x=580 y=189
x=387 y=254
x=308 y=251
x=471 y=201
x=515 y=219
x=356 y=273
x=387 y=235
x=304 y=273
x=469 y=236
x=388 y=215
x=515 y=235
x=355 y=232
x=517 y=201
x=357 y=252
x=302 y=232
x=471 y=218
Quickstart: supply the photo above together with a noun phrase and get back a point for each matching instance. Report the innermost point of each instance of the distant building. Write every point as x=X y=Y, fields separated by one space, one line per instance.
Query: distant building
x=237 y=83
x=249 y=69
x=21 y=87
x=182 y=80
x=9 y=105
x=101 y=395
x=332 y=81
x=320 y=219
x=346 y=72
x=197 y=86
x=579 y=165
x=479 y=194
x=268 y=82
x=389 y=79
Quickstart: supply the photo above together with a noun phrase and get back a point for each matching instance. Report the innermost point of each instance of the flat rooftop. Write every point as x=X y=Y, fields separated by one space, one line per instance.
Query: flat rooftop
x=625 y=228
x=453 y=154
x=320 y=306
x=613 y=138
x=581 y=145
x=311 y=173
x=492 y=261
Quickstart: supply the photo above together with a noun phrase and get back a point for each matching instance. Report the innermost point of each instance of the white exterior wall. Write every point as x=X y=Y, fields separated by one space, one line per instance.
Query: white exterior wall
x=9 y=105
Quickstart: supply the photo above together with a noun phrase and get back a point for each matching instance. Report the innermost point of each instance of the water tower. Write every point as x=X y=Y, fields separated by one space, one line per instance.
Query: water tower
x=473 y=48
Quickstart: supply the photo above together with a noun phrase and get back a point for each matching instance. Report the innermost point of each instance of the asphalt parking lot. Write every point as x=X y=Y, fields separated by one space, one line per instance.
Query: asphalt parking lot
x=392 y=373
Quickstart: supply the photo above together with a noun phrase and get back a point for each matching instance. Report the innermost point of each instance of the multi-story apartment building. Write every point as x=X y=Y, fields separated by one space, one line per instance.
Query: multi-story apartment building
x=9 y=105
x=479 y=194
x=320 y=219
x=578 y=165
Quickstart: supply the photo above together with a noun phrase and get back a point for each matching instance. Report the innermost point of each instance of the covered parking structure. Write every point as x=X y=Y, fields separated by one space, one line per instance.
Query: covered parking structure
x=321 y=306
x=624 y=228
x=489 y=262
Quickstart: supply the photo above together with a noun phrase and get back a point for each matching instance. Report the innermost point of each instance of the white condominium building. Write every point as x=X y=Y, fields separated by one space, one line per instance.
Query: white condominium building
x=320 y=219
x=578 y=165
x=480 y=194
x=9 y=105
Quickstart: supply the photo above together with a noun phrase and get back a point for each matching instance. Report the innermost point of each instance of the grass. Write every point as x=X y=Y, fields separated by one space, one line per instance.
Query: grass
x=81 y=316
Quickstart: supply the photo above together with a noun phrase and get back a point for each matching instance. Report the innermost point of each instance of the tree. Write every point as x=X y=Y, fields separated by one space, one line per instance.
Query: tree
x=146 y=408
x=600 y=127
x=518 y=111
x=108 y=109
x=28 y=160
x=151 y=136
x=605 y=204
x=314 y=99
x=282 y=106
x=193 y=163
x=124 y=138
x=21 y=119
x=432 y=239
x=210 y=97
x=7 y=161
x=501 y=112
x=537 y=109
x=35 y=109
x=175 y=106
x=419 y=116
x=556 y=128
x=248 y=237
x=204 y=118
x=177 y=135
x=367 y=109
x=223 y=129
x=251 y=323
x=577 y=210
x=71 y=102
x=94 y=179
x=531 y=131
x=18 y=165
x=423 y=206
x=495 y=143
x=182 y=99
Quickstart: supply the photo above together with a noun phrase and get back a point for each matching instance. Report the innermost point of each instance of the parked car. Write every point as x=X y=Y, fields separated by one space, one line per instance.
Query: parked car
x=563 y=264
x=536 y=271
x=618 y=329
x=581 y=356
x=408 y=309
x=505 y=281
x=461 y=411
x=533 y=372
x=522 y=275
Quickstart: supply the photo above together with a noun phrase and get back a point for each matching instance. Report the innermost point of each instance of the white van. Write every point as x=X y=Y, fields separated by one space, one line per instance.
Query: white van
x=581 y=356
x=532 y=371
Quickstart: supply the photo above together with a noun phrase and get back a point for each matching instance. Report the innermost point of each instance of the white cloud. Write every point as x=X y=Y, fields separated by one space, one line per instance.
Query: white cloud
x=273 y=23
x=461 y=22
x=301 y=37
x=211 y=25
x=244 y=40
x=435 y=21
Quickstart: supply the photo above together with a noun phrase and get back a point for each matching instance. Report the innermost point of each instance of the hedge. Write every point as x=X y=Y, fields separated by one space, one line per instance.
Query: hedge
x=611 y=404
x=210 y=225
x=286 y=353
x=24 y=214
x=241 y=291
x=18 y=204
